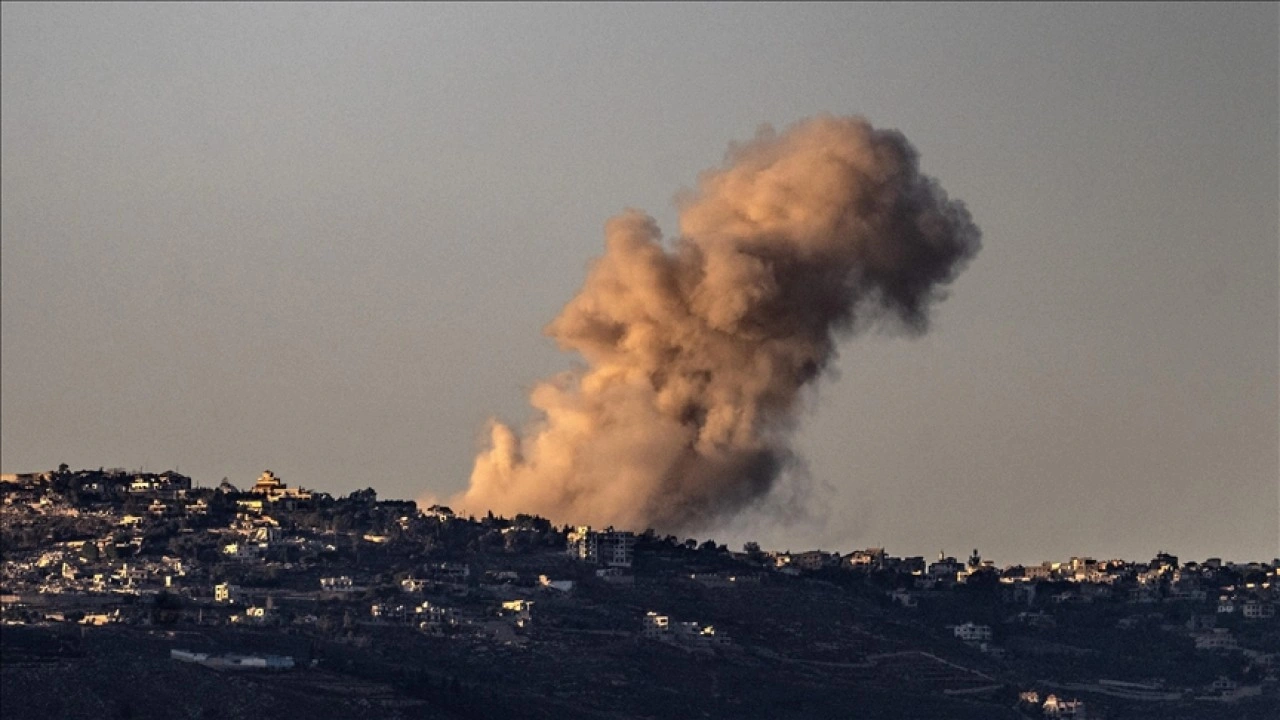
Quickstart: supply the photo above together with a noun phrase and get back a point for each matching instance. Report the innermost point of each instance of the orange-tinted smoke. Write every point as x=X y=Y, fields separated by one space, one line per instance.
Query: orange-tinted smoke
x=696 y=354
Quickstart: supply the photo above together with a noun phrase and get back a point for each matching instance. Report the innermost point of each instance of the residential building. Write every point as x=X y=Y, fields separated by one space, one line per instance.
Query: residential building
x=1056 y=708
x=1216 y=639
x=613 y=548
x=413 y=585
x=226 y=593
x=970 y=632
x=871 y=558
x=654 y=625
x=337 y=584
x=1256 y=610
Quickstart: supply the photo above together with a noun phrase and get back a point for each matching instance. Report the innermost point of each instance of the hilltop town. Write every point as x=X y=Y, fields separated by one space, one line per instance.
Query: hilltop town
x=131 y=594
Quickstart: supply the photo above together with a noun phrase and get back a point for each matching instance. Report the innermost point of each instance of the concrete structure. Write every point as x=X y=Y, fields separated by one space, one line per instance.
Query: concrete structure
x=274 y=489
x=1216 y=639
x=226 y=593
x=969 y=632
x=613 y=548
x=654 y=626
x=1255 y=610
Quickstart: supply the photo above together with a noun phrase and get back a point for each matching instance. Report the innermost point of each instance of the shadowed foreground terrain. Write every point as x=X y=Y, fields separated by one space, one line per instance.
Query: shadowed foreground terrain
x=127 y=673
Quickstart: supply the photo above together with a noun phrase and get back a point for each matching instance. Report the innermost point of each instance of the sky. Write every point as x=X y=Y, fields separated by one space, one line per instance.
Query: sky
x=325 y=239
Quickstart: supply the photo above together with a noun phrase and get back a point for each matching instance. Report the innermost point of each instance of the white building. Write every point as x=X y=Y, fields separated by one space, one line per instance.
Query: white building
x=1255 y=610
x=970 y=632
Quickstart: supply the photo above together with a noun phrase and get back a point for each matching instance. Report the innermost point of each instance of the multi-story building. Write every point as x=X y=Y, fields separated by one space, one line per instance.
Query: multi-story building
x=1216 y=639
x=226 y=593
x=655 y=625
x=1255 y=610
x=614 y=548
x=970 y=632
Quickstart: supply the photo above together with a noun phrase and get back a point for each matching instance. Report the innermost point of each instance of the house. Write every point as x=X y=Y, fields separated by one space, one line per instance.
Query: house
x=241 y=551
x=688 y=633
x=267 y=484
x=100 y=619
x=1215 y=639
x=654 y=626
x=226 y=593
x=1043 y=571
x=521 y=610
x=1223 y=684
x=446 y=572
x=413 y=585
x=814 y=560
x=869 y=559
x=946 y=569
x=262 y=615
x=1036 y=619
x=904 y=598
x=385 y=611
x=1256 y=610
x=273 y=489
x=559 y=585
x=435 y=618
x=1055 y=708
x=615 y=576
x=912 y=565
x=970 y=632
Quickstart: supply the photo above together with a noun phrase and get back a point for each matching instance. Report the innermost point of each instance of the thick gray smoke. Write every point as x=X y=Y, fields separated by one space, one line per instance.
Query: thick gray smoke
x=696 y=355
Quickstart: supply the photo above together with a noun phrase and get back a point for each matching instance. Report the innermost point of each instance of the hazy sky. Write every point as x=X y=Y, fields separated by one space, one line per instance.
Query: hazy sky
x=325 y=239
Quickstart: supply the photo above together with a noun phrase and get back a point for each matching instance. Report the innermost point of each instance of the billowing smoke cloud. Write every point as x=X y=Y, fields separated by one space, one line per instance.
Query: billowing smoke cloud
x=696 y=355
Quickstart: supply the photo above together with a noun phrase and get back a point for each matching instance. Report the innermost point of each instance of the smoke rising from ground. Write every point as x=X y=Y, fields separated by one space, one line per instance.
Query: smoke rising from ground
x=696 y=354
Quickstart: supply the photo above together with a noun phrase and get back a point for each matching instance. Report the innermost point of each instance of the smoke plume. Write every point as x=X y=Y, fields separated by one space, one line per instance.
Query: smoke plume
x=696 y=354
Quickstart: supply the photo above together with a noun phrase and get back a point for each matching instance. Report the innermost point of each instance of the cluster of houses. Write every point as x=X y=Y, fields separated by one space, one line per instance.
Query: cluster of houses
x=458 y=600
x=1054 y=707
x=686 y=633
